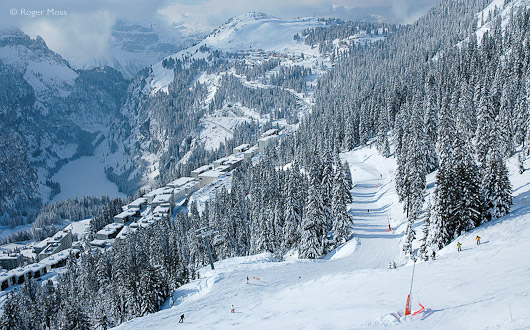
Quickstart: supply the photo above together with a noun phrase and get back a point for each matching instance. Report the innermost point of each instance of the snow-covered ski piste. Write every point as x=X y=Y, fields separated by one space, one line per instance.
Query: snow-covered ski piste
x=484 y=286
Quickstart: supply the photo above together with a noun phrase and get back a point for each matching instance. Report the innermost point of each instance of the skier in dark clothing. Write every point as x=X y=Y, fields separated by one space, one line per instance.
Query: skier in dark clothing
x=433 y=255
x=181 y=319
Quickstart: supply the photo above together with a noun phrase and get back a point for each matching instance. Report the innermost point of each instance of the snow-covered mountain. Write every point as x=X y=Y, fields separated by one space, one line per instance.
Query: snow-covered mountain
x=253 y=48
x=45 y=71
x=56 y=114
x=135 y=46
x=257 y=38
x=250 y=33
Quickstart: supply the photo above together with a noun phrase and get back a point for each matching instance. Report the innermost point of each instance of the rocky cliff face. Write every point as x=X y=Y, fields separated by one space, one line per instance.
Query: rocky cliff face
x=135 y=46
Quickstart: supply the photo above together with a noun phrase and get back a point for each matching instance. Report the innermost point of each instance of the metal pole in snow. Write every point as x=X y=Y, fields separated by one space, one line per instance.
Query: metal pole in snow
x=408 y=307
x=209 y=251
x=205 y=233
x=412 y=280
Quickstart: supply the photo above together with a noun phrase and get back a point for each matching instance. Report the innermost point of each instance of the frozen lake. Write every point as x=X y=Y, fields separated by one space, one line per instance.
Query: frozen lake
x=84 y=177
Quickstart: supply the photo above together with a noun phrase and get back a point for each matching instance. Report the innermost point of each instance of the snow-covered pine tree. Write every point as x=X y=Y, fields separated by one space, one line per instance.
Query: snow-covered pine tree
x=75 y=318
x=468 y=203
x=351 y=133
x=101 y=320
x=256 y=209
x=313 y=225
x=264 y=241
x=292 y=216
x=152 y=292
x=483 y=138
x=425 y=244
x=430 y=123
x=496 y=186
x=364 y=122
x=347 y=175
x=439 y=234
x=383 y=146
x=416 y=172
x=504 y=121
x=9 y=319
x=341 y=218
x=520 y=161
x=411 y=173
x=327 y=185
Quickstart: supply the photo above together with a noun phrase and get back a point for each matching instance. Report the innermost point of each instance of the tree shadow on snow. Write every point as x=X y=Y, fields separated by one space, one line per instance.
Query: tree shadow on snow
x=379 y=210
x=429 y=311
x=391 y=236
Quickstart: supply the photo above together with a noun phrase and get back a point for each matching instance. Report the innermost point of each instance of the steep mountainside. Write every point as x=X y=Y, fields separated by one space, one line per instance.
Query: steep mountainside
x=50 y=115
x=252 y=70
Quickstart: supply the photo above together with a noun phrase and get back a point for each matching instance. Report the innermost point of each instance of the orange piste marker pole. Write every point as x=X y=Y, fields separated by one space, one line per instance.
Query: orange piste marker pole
x=407 y=308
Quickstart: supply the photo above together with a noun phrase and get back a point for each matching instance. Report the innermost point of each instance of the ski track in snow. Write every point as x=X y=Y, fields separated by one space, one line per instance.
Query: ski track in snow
x=372 y=248
x=482 y=287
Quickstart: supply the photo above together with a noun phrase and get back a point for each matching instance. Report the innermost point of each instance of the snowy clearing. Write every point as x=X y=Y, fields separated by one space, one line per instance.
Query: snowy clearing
x=84 y=177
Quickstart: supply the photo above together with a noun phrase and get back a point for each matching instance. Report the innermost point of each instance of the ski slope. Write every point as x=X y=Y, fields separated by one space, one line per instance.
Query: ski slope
x=482 y=287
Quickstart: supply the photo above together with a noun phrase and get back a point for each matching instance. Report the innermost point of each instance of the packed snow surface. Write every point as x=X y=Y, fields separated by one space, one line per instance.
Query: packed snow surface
x=482 y=287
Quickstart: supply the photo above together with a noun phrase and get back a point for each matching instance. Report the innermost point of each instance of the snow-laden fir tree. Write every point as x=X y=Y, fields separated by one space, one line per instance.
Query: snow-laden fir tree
x=152 y=292
x=496 y=186
x=292 y=215
x=520 y=161
x=483 y=133
x=430 y=123
x=383 y=146
x=346 y=175
x=348 y=181
x=342 y=221
x=10 y=317
x=426 y=246
x=264 y=241
x=469 y=203
x=505 y=122
x=413 y=173
x=313 y=223
x=326 y=186
x=439 y=233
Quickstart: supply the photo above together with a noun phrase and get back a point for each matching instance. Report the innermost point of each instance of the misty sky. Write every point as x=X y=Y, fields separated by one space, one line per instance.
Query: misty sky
x=78 y=28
